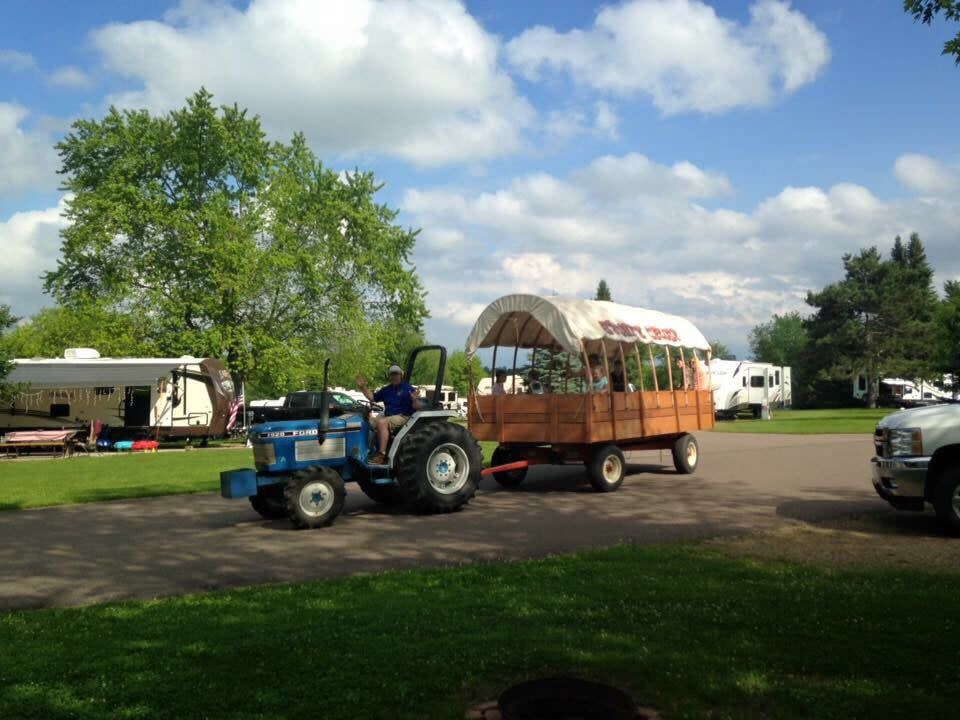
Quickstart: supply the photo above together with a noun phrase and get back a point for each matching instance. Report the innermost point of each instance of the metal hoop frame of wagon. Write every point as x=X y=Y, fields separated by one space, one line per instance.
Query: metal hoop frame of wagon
x=664 y=394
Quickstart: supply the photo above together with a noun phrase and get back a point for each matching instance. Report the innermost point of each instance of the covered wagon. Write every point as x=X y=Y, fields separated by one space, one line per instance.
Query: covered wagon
x=606 y=379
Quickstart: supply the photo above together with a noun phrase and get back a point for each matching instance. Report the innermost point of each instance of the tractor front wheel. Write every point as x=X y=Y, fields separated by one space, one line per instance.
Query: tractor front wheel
x=438 y=467
x=314 y=497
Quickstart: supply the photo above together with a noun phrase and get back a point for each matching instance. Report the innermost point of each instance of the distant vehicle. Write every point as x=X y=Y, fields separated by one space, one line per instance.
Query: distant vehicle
x=898 y=392
x=305 y=405
x=485 y=386
x=917 y=461
x=742 y=386
x=163 y=398
x=448 y=398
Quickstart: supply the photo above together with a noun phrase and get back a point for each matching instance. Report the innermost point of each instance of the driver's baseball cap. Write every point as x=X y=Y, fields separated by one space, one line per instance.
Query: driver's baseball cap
x=395 y=369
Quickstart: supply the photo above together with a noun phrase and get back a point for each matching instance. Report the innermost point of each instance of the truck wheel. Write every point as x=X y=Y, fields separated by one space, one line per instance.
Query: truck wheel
x=438 y=467
x=510 y=478
x=606 y=468
x=686 y=454
x=383 y=494
x=269 y=502
x=314 y=497
x=946 y=499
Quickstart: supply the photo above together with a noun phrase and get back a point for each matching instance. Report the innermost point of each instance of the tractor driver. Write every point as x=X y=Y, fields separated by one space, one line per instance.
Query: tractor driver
x=399 y=400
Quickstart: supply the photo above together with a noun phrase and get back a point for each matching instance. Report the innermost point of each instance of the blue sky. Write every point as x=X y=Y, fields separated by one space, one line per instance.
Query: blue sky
x=711 y=159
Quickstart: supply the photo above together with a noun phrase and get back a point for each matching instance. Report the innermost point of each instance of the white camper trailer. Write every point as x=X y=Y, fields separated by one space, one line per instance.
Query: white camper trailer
x=898 y=392
x=744 y=386
x=137 y=397
x=448 y=400
x=514 y=384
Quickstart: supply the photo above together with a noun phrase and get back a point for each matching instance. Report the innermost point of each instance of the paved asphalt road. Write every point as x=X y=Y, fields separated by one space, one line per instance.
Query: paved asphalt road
x=154 y=547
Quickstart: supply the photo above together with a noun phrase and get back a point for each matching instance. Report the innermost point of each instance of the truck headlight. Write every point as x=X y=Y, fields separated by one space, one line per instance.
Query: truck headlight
x=906 y=441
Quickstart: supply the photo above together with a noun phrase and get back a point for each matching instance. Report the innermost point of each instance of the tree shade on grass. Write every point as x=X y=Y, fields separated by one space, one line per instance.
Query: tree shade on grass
x=687 y=630
x=37 y=483
x=810 y=422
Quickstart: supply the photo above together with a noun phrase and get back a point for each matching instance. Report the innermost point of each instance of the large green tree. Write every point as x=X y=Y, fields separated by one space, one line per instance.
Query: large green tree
x=222 y=243
x=877 y=320
x=782 y=340
x=947 y=333
x=7 y=320
x=926 y=10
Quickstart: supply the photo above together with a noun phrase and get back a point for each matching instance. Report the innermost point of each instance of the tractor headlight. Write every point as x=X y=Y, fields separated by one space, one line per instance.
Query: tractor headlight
x=905 y=441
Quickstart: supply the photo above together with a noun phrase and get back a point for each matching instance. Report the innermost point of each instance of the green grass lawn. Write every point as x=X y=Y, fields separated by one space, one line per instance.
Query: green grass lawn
x=36 y=483
x=685 y=629
x=810 y=422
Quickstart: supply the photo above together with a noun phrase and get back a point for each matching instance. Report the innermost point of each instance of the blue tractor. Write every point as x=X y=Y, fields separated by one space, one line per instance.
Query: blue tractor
x=433 y=465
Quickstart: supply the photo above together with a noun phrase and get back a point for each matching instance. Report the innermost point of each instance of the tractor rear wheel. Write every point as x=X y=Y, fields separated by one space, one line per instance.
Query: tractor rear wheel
x=509 y=478
x=438 y=467
x=314 y=497
x=269 y=502
x=383 y=494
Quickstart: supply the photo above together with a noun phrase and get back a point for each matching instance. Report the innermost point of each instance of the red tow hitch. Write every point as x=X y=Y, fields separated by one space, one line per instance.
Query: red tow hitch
x=518 y=465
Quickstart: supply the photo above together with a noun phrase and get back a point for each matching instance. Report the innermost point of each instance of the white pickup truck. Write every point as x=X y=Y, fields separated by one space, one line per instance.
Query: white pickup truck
x=918 y=461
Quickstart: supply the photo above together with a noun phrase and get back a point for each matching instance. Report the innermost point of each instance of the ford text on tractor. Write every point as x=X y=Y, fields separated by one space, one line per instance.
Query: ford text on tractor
x=432 y=465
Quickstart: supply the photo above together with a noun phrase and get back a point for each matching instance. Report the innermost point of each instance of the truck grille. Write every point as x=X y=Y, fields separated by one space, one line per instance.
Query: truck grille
x=881 y=443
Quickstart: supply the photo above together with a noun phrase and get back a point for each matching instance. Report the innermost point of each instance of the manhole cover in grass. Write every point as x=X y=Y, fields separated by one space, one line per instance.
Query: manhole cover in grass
x=566 y=699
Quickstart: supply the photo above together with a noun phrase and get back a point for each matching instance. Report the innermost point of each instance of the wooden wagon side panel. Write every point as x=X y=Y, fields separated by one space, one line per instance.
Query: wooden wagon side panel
x=589 y=418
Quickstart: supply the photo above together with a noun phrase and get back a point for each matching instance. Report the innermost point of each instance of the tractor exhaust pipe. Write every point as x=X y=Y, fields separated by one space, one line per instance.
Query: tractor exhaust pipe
x=324 y=424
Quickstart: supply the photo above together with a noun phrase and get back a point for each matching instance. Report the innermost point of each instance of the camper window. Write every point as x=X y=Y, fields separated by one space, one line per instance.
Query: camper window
x=756 y=381
x=862 y=383
x=777 y=376
x=744 y=381
x=103 y=391
x=59 y=410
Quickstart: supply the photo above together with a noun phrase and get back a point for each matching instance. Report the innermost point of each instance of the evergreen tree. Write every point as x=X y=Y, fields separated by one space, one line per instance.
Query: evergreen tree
x=7 y=320
x=603 y=291
x=878 y=320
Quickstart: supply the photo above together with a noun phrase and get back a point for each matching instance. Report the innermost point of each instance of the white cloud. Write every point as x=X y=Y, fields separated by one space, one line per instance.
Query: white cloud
x=566 y=124
x=418 y=79
x=647 y=235
x=16 y=61
x=926 y=174
x=27 y=158
x=682 y=54
x=30 y=244
x=70 y=77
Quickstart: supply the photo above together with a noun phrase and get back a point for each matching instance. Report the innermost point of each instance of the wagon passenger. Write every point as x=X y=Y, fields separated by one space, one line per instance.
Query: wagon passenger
x=598 y=381
x=399 y=400
x=499 y=387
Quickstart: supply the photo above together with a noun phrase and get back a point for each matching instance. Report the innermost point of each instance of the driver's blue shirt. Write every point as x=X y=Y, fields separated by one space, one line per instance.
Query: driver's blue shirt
x=396 y=399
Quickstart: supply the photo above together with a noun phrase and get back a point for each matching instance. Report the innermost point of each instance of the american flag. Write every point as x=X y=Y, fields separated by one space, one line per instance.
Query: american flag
x=236 y=407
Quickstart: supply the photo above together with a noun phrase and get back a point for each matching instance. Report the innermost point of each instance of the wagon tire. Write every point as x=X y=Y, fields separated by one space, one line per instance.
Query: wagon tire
x=606 y=468
x=269 y=502
x=438 y=467
x=946 y=499
x=686 y=454
x=509 y=478
x=314 y=497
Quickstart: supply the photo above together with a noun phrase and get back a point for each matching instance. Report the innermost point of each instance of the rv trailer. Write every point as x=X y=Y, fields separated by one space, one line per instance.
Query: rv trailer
x=163 y=398
x=898 y=392
x=744 y=386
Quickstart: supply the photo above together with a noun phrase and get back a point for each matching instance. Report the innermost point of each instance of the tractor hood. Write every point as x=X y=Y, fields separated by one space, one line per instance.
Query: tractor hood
x=300 y=428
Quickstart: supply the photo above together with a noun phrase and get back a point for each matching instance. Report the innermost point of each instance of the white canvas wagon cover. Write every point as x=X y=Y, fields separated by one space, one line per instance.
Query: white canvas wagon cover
x=575 y=325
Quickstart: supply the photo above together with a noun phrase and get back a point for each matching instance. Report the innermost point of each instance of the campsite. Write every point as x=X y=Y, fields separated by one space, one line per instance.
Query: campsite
x=426 y=359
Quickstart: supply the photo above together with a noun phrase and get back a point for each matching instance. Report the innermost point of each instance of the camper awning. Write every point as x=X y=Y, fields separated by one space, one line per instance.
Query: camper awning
x=574 y=325
x=94 y=372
